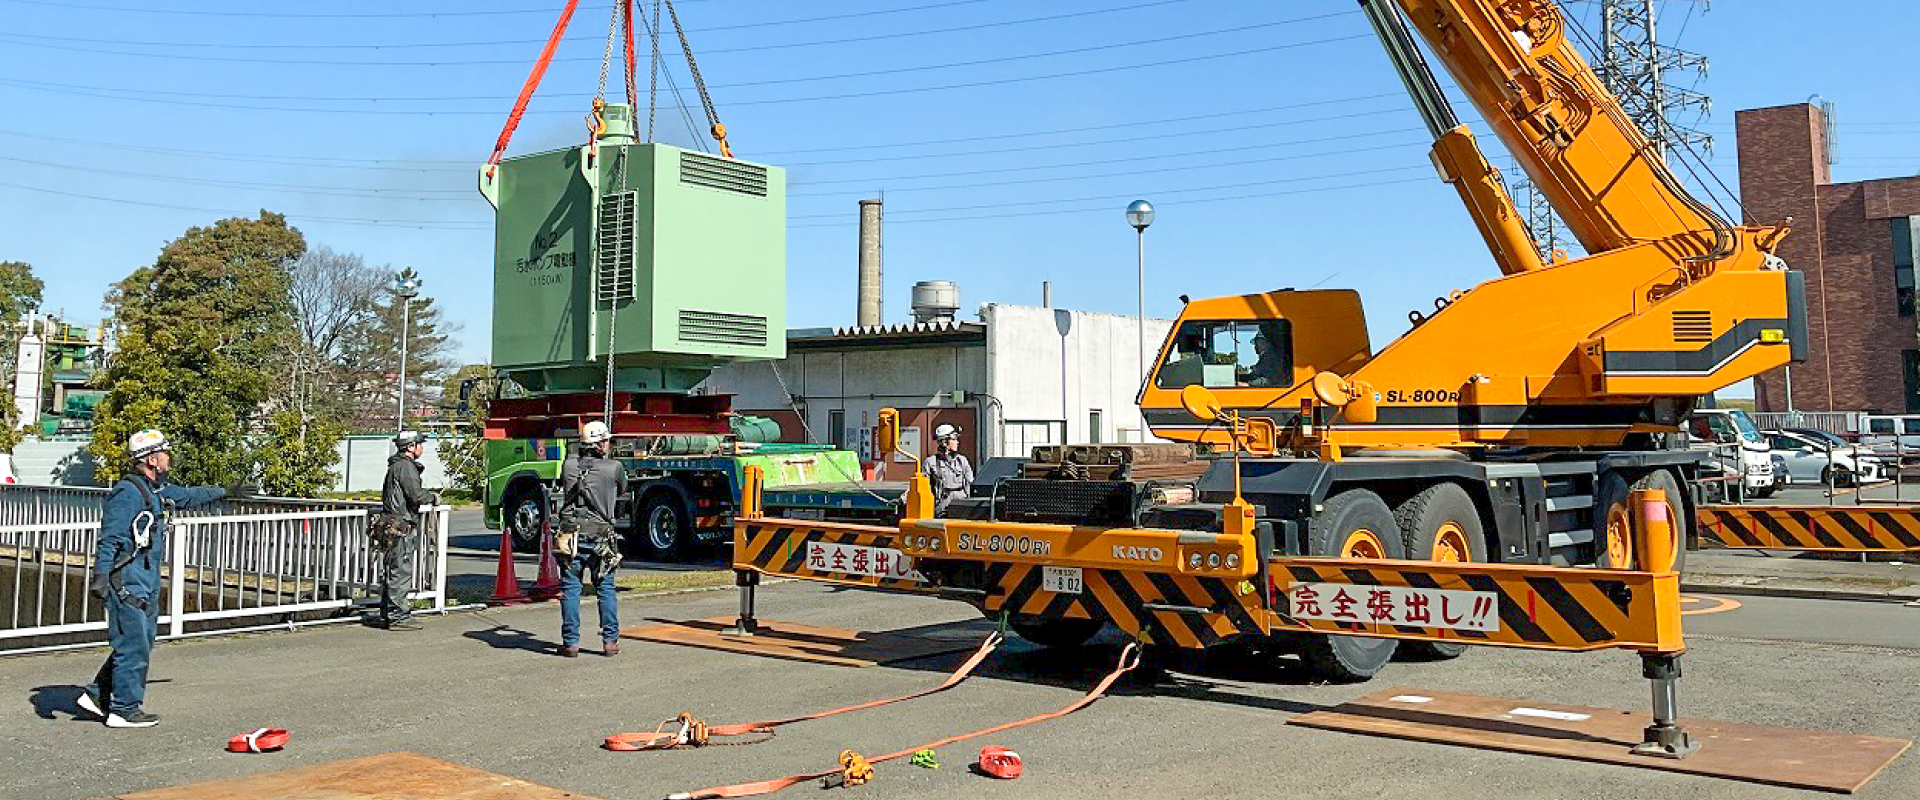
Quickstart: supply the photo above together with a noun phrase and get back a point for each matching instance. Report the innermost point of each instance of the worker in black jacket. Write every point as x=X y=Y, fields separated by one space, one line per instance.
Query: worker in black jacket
x=591 y=482
x=402 y=499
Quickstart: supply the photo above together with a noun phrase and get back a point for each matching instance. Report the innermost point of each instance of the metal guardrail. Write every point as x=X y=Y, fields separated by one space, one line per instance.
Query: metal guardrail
x=260 y=562
x=22 y=504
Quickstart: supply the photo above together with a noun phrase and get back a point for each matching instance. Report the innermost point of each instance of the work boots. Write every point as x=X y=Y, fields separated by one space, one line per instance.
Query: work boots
x=132 y=719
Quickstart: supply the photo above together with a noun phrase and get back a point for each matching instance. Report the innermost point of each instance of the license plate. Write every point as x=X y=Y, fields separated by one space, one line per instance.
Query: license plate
x=806 y=513
x=1061 y=580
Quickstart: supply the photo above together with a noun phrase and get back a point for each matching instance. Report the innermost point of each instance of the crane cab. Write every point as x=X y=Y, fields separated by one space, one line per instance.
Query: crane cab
x=1256 y=352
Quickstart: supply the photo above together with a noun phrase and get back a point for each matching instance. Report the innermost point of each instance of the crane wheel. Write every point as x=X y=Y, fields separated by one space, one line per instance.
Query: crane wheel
x=1441 y=523
x=523 y=513
x=1613 y=519
x=1355 y=523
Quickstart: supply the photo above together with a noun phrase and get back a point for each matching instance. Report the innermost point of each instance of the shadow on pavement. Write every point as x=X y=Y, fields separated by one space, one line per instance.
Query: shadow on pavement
x=506 y=637
x=59 y=698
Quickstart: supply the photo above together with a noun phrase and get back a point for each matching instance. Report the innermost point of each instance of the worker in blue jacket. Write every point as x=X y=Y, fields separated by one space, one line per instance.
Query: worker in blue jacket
x=126 y=576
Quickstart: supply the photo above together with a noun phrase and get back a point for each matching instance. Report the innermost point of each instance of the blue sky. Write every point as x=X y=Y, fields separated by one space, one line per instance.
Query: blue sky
x=1007 y=136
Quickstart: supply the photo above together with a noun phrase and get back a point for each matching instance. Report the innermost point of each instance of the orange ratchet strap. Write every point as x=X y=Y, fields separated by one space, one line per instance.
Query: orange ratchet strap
x=1129 y=659
x=690 y=732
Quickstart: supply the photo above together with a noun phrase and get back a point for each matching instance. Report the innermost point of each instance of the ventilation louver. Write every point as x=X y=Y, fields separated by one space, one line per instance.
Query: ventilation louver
x=1693 y=326
x=723 y=174
x=617 y=247
x=715 y=327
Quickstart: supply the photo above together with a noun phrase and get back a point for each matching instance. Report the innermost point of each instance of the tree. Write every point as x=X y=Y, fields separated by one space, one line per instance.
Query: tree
x=19 y=292
x=332 y=295
x=371 y=355
x=297 y=454
x=465 y=457
x=199 y=331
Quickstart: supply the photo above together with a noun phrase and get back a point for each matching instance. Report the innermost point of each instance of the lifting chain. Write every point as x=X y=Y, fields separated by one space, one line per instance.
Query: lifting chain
x=706 y=101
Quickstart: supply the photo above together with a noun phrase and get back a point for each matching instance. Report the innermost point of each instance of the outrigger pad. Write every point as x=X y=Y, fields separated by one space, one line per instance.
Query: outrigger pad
x=392 y=776
x=1801 y=759
x=797 y=642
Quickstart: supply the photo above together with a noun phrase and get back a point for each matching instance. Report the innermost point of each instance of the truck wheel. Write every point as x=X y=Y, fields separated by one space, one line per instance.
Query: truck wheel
x=1442 y=524
x=1612 y=524
x=1352 y=524
x=1613 y=519
x=524 y=514
x=663 y=529
x=1676 y=511
x=1062 y=632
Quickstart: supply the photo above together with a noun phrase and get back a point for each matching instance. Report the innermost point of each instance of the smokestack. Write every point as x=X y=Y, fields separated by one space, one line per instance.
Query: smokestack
x=868 y=313
x=1046 y=294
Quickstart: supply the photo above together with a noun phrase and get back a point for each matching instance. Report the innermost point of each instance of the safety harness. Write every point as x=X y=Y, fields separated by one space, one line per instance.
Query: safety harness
x=687 y=731
x=142 y=534
x=855 y=769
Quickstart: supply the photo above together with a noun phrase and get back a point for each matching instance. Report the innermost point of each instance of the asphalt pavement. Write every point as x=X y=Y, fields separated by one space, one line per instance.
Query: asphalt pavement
x=478 y=688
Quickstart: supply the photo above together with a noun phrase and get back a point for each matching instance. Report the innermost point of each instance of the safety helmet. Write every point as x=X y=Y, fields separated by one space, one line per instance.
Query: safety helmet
x=406 y=439
x=146 y=443
x=1000 y=762
x=944 y=431
x=594 y=432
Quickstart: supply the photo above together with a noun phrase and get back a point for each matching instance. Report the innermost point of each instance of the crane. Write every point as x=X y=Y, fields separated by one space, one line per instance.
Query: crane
x=1673 y=301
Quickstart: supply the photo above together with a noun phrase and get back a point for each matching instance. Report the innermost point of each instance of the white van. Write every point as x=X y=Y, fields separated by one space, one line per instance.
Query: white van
x=1891 y=431
x=1737 y=445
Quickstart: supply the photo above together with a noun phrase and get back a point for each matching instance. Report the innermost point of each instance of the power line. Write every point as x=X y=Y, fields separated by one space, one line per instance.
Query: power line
x=440 y=224
x=576 y=38
x=1106 y=207
x=433 y=195
x=138 y=95
x=892 y=212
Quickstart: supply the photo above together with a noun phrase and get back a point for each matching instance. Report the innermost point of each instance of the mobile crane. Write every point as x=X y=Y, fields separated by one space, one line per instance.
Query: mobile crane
x=1508 y=425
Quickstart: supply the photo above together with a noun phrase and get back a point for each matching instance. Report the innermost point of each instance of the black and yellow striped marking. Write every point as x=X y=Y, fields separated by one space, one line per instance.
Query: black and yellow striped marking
x=774 y=546
x=1839 y=529
x=1538 y=607
x=1178 y=610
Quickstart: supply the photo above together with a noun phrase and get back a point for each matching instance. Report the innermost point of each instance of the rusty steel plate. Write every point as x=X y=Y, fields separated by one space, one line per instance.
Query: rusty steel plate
x=1802 y=759
x=390 y=776
x=797 y=642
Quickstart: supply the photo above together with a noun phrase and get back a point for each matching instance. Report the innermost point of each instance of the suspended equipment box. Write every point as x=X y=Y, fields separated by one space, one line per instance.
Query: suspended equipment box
x=679 y=254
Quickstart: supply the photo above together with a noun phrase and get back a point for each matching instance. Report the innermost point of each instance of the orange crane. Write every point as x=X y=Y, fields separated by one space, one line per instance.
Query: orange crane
x=1509 y=425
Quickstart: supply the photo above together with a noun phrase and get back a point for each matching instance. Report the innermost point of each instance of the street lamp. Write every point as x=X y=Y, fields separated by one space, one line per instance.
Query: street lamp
x=1140 y=215
x=406 y=286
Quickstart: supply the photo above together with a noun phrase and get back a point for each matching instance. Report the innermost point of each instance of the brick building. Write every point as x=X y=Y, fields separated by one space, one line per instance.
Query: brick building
x=1856 y=242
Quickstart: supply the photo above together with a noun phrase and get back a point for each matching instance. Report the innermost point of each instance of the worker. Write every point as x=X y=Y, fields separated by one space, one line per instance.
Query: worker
x=591 y=482
x=126 y=576
x=948 y=470
x=1267 y=365
x=403 y=500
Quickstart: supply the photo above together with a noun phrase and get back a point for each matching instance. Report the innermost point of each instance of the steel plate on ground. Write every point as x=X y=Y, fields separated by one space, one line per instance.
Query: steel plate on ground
x=1803 y=759
x=796 y=642
x=390 y=776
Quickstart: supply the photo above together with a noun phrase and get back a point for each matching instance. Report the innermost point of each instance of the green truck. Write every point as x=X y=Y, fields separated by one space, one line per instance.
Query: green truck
x=624 y=273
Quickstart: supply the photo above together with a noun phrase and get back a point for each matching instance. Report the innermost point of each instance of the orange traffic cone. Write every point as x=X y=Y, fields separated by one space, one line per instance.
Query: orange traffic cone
x=506 y=583
x=547 y=586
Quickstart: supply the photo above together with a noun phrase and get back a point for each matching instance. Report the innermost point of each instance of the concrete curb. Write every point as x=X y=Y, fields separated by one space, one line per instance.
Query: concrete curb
x=1795 y=592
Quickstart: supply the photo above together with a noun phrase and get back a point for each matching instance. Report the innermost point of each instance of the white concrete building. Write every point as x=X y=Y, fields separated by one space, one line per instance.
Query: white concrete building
x=1021 y=376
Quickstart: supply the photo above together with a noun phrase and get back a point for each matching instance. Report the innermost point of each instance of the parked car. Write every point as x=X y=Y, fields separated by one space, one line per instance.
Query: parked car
x=1815 y=456
x=1781 y=477
x=1736 y=444
x=1891 y=432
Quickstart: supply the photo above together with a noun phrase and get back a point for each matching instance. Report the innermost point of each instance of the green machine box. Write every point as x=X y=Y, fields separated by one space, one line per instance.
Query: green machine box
x=673 y=261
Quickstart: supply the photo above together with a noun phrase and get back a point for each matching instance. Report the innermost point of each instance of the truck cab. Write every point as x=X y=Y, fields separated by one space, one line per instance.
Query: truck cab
x=1737 y=445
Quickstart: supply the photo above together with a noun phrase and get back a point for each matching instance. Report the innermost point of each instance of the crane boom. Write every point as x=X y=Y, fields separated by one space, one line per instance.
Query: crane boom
x=1517 y=64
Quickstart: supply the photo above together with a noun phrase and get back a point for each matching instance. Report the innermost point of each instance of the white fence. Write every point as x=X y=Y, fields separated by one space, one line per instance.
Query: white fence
x=1844 y=423
x=253 y=564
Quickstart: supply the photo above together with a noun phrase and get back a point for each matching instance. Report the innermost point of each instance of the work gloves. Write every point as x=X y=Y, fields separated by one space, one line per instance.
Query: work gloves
x=240 y=489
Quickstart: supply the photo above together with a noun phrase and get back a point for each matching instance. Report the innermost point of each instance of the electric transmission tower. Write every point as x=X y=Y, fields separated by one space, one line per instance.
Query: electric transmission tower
x=1642 y=73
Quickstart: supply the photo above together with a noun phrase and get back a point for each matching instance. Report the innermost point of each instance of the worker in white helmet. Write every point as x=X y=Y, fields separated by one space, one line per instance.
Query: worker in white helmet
x=126 y=576
x=591 y=483
x=948 y=469
x=402 y=501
